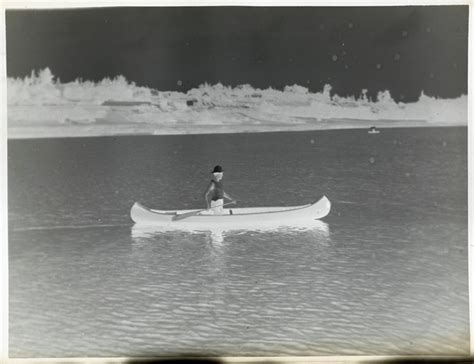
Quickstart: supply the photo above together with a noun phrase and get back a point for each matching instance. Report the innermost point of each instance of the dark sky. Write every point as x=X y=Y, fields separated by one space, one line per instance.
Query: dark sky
x=401 y=49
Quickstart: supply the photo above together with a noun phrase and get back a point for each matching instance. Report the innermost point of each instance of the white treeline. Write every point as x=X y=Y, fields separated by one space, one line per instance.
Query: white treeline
x=40 y=98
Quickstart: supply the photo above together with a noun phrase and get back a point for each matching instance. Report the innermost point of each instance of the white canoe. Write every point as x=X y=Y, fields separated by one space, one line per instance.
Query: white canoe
x=245 y=216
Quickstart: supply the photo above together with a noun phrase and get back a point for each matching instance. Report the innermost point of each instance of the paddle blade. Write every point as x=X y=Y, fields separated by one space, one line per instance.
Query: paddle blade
x=178 y=217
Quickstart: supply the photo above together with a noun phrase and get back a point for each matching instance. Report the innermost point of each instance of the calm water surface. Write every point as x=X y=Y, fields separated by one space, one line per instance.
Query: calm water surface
x=385 y=273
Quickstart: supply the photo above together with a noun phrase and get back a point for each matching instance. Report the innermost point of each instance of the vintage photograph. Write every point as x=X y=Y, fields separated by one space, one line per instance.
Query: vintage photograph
x=218 y=181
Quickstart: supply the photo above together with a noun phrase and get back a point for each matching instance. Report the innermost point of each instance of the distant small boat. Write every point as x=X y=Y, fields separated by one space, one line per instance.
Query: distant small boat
x=373 y=130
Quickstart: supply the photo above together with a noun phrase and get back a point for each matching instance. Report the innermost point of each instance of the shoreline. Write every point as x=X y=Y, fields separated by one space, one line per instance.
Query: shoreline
x=102 y=130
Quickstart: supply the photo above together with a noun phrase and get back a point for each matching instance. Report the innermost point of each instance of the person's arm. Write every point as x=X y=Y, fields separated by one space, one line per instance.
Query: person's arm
x=226 y=195
x=207 y=194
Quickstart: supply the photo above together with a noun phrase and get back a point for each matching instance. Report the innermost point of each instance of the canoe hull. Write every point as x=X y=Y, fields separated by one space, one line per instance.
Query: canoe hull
x=233 y=217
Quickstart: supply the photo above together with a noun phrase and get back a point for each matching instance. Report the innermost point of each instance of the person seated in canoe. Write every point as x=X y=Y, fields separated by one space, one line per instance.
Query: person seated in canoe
x=215 y=194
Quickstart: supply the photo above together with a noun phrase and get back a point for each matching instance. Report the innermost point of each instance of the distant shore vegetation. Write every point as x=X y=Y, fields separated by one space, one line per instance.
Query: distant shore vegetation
x=88 y=101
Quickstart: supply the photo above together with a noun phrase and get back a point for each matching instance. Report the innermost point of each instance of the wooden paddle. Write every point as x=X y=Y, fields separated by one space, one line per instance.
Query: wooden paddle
x=178 y=217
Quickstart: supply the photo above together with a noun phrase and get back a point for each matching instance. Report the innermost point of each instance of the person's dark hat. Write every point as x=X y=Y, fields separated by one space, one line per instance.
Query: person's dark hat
x=217 y=169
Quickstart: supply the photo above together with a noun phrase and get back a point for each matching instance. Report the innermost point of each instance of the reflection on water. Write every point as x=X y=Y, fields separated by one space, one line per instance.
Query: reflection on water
x=290 y=291
x=217 y=235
